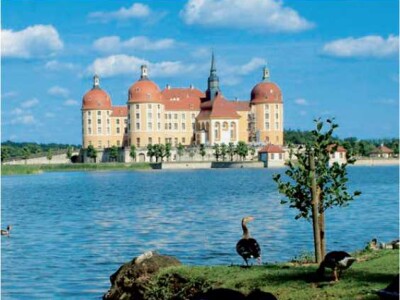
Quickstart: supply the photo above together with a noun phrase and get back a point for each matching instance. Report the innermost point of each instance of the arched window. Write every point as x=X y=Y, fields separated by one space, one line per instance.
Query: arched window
x=225 y=126
x=217 y=131
x=233 y=131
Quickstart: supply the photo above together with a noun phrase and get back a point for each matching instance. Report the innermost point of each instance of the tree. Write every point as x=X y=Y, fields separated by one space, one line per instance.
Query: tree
x=49 y=155
x=217 y=151
x=132 y=152
x=150 y=152
x=113 y=153
x=231 y=150
x=252 y=151
x=202 y=151
x=180 y=150
x=314 y=185
x=91 y=152
x=26 y=153
x=242 y=149
x=223 y=149
x=167 y=151
x=192 y=152
x=5 y=153
x=69 y=153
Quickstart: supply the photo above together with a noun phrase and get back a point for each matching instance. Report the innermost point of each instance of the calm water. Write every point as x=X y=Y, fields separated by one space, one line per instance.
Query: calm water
x=71 y=231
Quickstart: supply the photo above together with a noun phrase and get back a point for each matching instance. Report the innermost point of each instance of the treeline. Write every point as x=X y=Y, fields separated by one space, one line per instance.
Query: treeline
x=354 y=146
x=11 y=149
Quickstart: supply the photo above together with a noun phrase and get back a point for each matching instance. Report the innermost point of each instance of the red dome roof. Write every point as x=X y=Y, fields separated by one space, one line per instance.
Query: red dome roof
x=144 y=90
x=96 y=98
x=266 y=92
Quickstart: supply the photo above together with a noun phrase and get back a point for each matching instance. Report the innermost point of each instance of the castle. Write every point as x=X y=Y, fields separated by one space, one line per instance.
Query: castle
x=184 y=116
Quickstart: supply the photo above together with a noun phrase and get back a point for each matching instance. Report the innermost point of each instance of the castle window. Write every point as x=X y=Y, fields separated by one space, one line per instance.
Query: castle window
x=137 y=126
x=166 y=116
x=149 y=115
x=99 y=113
x=169 y=126
x=183 y=140
x=117 y=121
x=159 y=116
x=98 y=130
x=89 y=113
x=176 y=126
x=176 y=141
x=176 y=116
x=99 y=144
x=266 y=106
x=276 y=116
x=166 y=126
x=267 y=125
x=118 y=143
x=276 y=106
x=108 y=130
x=126 y=130
x=183 y=126
x=138 y=142
x=108 y=121
x=150 y=126
x=158 y=106
x=159 y=126
x=276 y=125
x=193 y=116
x=137 y=106
x=118 y=129
x=267 y=116
x=89 y=130
x=150 y=140
x=149 y=106
x=137 y=116
x=98 y=121
x=89 y=121
x=125 y=121
x=183 y=116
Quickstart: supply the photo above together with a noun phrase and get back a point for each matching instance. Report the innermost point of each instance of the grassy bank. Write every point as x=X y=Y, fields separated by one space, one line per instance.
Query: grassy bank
x=35 y=169
x=373 y=271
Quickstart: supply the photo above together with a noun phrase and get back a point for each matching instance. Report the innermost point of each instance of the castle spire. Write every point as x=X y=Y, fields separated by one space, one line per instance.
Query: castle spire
x=143 y=72
x=213 y=80
x=96 y=81
x=265 y=74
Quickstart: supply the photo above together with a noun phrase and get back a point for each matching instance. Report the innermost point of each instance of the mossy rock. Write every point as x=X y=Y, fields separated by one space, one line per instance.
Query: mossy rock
x=132 y=279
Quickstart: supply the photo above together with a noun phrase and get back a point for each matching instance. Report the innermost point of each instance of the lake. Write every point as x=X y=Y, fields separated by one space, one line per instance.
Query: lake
x=72 y=230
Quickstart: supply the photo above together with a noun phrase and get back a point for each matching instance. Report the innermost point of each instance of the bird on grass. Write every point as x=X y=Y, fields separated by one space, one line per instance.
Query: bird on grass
x=247 y=247
x=337 y=261
x=7 y=231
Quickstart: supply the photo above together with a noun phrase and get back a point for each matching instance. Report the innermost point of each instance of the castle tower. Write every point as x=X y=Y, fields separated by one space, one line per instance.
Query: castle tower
x=213 y=81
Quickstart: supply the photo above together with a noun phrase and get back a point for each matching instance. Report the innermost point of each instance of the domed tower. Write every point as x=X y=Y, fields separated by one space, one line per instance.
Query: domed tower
x=145 y=112
x=96 y=112
x=267 y=111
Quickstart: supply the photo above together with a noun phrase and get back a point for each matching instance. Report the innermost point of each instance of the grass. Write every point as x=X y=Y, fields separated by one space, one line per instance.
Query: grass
x=36 y=169
x=373 y=271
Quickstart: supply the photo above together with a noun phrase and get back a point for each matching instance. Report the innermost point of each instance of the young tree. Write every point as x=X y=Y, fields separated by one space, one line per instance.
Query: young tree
x=91 y=152
x=242 y=149
x=180 y=150
x=231 y=150
x=223 y=150
x=132 y=152
x=49 y=155
x=150 y=151
x=202 y=151
x=26 y=153
x=217 y=151
x=252 y=151
x=69 y=153
x=314 y=185
x=167 y=151
x=5 y=153
x=113 y=153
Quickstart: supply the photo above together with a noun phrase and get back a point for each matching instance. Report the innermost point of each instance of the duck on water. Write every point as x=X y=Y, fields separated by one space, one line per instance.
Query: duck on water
x=7 y=231
x=247 y=247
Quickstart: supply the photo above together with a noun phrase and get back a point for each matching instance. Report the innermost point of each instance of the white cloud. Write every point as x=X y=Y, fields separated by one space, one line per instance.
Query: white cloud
x=17 y=111
x=49 y=115
x=230 y=74
x=33 y=41
x=25 y=120
x=123 y=64
x=71 y=102
x=136 y=10
x=301 y=101
x=254 y=64
x=263 y=15
x=30 y=103
x=58 y=91
x=54 y=65
x=114 y=44
x=367 y=46
x=11 y=94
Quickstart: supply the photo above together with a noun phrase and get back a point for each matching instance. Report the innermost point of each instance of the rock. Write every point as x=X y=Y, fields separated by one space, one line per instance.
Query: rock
x=132 y=278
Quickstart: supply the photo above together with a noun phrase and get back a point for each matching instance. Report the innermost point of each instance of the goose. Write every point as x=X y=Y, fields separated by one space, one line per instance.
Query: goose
x=337 y=261
x=7 y=231
x=247 y=247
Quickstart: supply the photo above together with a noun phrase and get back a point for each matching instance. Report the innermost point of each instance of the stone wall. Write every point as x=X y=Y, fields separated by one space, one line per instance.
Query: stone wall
x=56 y=159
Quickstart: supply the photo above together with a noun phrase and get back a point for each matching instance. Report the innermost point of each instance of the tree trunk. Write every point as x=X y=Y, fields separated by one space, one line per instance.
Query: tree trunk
x=321 y=221
x=315 y=209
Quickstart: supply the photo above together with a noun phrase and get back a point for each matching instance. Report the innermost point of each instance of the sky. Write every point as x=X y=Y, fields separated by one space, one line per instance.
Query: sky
x=330 y=58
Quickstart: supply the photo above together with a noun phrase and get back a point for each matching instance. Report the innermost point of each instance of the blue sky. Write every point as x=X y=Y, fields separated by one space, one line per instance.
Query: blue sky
x=330 y=58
